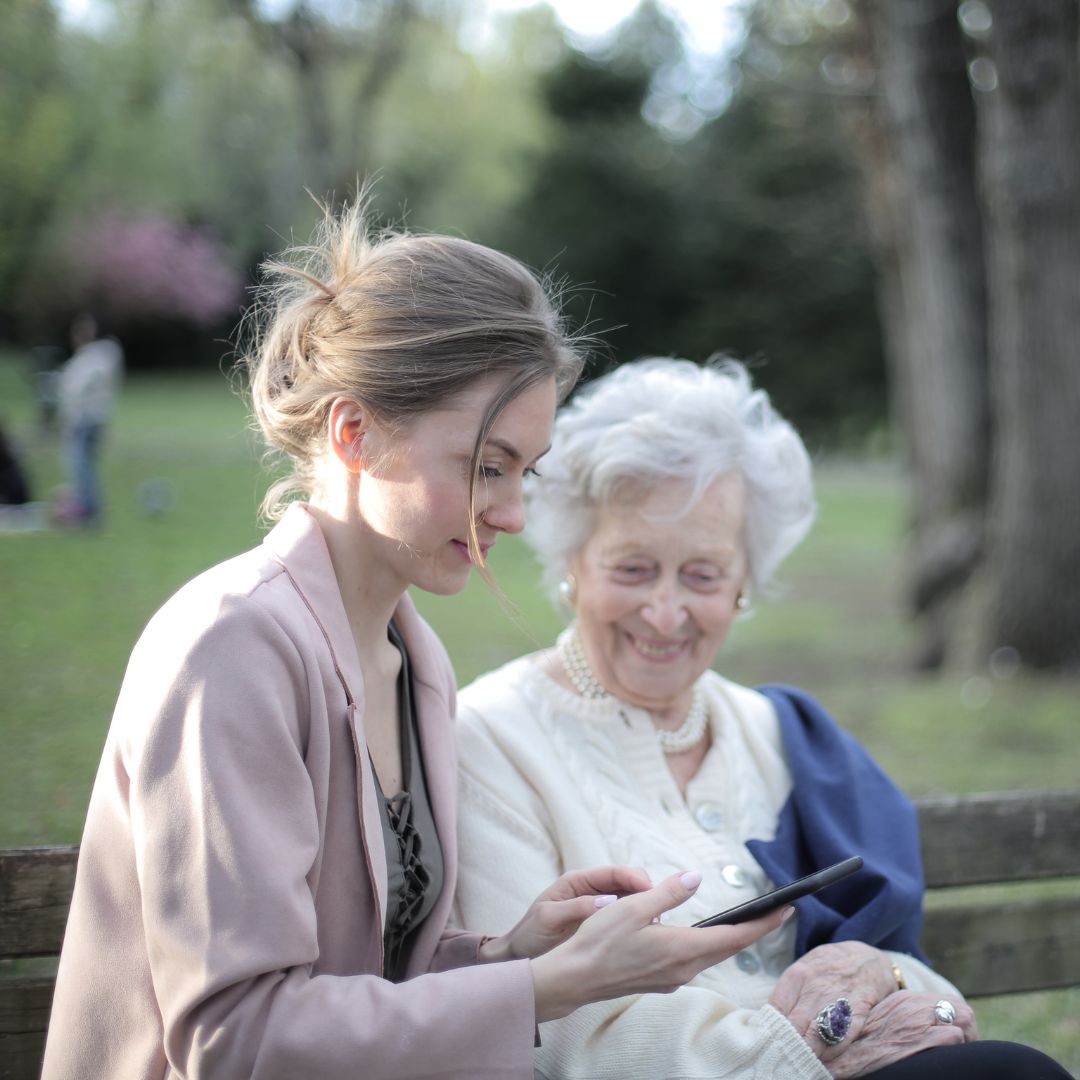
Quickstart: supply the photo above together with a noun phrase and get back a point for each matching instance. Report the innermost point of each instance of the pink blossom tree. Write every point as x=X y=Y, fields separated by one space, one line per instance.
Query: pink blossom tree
x=150 y=266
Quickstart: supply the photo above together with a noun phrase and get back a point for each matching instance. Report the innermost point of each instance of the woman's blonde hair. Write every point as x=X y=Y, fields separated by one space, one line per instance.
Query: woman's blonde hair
x=400 y=323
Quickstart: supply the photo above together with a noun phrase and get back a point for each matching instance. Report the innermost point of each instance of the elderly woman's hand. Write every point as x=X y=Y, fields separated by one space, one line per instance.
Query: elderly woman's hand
x=903 y=1024
x=844 y=969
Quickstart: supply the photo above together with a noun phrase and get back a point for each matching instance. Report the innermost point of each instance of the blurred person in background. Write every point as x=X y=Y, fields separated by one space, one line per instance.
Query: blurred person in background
x=270 y=855
x=670 y=496
x=88 y=386
x=18 y=512
x=14 y=488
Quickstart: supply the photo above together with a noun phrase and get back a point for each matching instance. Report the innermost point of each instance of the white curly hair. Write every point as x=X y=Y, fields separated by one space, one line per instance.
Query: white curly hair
x=657 y=420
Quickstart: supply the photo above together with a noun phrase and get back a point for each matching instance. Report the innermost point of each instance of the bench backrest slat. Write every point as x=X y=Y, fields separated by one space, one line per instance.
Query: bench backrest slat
x=1000 y=837
x=24 y=1017
x=967 y=840
x=35 y=892
x=1006 y=948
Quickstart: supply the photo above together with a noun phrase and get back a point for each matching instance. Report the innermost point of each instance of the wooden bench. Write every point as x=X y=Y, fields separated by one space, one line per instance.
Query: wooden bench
x=985 y=946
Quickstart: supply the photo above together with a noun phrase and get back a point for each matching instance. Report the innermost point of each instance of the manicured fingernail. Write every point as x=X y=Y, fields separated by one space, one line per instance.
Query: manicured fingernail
x=786 y=914
x=603 y=901
x=691 y=879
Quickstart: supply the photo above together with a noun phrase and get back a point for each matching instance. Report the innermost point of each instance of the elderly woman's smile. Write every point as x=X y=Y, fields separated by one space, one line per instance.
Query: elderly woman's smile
x=658 y=651
x=657 y=583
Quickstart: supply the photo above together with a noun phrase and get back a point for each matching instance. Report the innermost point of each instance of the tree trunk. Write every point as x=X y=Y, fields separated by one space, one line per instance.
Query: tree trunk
x=922 y=167
x=324 y=53
x=1030 y=162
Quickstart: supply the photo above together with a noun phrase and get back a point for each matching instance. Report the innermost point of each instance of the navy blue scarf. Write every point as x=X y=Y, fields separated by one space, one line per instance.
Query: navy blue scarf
x=842 y=804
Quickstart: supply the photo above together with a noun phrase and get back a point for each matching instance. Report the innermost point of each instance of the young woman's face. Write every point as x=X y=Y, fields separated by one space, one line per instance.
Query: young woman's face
x=656 y=593
x=415 y=501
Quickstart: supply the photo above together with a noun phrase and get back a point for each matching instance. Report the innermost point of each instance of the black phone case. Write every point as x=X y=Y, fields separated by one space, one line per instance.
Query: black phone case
x=770 y=901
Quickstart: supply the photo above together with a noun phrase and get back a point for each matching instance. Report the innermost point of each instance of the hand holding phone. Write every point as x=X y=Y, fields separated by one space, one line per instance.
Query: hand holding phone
x=770 y=901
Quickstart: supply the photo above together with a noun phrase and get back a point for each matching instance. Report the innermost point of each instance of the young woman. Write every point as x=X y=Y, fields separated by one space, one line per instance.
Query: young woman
x=270 y=854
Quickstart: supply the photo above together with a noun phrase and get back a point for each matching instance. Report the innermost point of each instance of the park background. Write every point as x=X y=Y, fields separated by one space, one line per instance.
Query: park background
x=874 y=203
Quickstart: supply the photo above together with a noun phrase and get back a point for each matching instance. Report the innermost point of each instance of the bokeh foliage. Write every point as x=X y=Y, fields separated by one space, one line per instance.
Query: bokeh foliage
x=734 y=231
x=743 y=238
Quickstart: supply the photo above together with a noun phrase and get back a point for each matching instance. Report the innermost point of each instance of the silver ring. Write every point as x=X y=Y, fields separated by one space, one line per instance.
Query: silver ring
x=833 y=1022
x=944 y=1012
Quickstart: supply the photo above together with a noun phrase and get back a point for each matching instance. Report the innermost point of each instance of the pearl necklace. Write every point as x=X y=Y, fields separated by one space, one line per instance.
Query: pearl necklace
x=685 y=737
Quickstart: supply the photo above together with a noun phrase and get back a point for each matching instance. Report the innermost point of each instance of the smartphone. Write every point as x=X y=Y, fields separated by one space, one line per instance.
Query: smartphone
x=770 y=901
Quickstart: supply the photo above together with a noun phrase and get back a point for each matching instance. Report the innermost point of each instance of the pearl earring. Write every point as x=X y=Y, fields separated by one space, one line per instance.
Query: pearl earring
x=568 y=590
x=741 y=602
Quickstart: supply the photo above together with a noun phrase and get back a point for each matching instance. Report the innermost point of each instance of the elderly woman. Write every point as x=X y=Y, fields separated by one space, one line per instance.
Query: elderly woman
x=669 y=498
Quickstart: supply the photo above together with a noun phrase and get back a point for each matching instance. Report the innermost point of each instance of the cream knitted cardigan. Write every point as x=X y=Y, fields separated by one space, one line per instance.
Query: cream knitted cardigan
x=551 y=781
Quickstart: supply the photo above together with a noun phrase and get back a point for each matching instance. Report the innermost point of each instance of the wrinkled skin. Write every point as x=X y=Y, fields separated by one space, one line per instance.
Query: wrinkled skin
x=901 y=1025
x=886 y=1024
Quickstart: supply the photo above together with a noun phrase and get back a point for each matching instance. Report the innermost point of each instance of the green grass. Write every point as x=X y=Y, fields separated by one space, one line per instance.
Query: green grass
x=74 y=603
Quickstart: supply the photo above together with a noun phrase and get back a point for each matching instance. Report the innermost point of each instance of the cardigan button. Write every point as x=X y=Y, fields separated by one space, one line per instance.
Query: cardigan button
x=709 y=816
x=748 y=963
x=734 y=876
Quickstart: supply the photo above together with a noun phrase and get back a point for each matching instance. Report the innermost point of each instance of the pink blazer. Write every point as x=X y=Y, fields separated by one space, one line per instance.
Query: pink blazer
x=228 y=911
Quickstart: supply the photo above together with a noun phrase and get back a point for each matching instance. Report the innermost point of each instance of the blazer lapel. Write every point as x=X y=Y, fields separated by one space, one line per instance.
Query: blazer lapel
x=297 y=544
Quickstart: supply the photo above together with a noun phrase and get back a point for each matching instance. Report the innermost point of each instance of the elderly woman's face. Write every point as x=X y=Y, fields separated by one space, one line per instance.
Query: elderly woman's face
x=656 y=594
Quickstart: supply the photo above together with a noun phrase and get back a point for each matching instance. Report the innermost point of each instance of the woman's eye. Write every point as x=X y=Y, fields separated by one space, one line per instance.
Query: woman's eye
x=631 y=572
x=490 y=472
x=531 y=471
x=702 y=579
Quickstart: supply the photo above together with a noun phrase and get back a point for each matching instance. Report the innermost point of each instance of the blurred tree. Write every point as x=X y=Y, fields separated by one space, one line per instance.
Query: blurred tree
x=599 y=205
x=342 y=58
x=148 y=267
x=146 y=131
x=37 y=132
x=730 y=233
x=769 y=200
x=918 y=136
x=460 y=116
x=1029 y=113
x=216 y=115
x=976 y=201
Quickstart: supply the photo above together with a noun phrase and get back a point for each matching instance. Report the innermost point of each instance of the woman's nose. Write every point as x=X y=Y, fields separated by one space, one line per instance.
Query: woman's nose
x=663 y=611
x=507 y=514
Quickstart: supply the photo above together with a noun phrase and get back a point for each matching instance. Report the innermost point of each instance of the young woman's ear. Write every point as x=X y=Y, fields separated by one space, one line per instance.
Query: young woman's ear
x=349 y=423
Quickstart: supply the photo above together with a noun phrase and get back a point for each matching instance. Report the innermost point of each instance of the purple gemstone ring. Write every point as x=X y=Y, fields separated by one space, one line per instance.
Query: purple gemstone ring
x=834 y=1022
